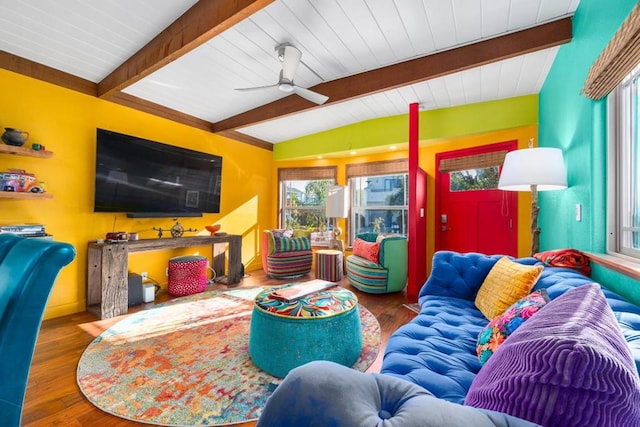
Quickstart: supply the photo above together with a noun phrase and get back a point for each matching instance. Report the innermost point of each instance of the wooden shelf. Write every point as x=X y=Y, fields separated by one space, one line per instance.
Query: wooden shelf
x=16 y=195
x=25 y=151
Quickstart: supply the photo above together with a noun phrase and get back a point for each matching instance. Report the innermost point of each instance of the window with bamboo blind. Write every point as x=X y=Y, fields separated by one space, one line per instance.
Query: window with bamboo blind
x=617 y=60
x=301 y=197
x=616 y=74
x=379 y=197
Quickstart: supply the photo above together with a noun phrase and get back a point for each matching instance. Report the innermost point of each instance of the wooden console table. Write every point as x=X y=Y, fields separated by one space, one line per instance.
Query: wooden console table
x=108 y=263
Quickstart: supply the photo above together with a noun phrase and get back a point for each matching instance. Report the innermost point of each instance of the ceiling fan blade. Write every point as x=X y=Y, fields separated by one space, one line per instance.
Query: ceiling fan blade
x=249 y=89
x=290 y=63
x=310 y=95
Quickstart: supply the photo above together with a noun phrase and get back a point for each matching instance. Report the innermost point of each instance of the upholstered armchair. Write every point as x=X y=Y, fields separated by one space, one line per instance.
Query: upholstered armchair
x=286 y=253
x=28 y=270
x=378 y=264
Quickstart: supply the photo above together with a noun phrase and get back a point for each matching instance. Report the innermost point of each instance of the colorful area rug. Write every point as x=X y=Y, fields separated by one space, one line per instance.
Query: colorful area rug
x=186 y=363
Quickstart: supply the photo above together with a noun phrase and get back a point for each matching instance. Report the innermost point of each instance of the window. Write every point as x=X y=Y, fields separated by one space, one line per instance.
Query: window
x=474 y=179
x=379 y=198
x=624 y=167
x=302 y=193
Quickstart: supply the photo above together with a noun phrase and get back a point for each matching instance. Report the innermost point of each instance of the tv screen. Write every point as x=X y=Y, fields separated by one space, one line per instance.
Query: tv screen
x=149 y=179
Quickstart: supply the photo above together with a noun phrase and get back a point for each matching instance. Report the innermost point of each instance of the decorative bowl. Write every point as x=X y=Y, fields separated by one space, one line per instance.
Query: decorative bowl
x=213 y=228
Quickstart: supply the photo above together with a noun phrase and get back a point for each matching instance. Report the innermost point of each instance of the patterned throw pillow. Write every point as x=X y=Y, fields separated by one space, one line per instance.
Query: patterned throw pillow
x=505 y=284
x=505 y=324
x=567 y=258
x=299 y=232
x=294 y=244
x=282 y=233
x=367 y=250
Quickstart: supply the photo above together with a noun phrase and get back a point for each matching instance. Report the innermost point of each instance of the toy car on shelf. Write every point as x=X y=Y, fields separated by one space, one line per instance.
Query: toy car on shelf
x=20 y=181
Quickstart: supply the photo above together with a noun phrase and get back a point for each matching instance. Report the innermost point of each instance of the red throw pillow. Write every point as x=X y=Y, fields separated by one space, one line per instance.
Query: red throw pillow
x=367 y=250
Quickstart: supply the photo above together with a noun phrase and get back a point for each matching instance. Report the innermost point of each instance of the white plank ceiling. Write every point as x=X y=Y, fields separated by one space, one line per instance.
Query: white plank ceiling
x=90 y=38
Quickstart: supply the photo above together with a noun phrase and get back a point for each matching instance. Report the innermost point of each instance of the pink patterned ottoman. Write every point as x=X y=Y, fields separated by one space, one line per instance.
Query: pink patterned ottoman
x=187 y=275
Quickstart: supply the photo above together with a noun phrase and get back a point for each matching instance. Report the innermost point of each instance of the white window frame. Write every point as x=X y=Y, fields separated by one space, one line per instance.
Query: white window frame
x=321 y=236
x=357 y=209
x=622 y=192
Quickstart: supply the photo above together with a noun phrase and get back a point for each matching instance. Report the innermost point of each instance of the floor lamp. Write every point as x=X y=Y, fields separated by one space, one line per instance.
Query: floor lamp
x=533 y=169
x=337 y=206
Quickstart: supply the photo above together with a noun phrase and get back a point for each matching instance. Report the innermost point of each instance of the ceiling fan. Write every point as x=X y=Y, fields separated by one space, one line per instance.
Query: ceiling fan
x=290 y=57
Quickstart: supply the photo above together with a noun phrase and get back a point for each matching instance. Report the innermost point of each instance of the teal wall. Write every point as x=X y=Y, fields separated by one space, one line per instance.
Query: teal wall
x=617 y=282
x=571 y=121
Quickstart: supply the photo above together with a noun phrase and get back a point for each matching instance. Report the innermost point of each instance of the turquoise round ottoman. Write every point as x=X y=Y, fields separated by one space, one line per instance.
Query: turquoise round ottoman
x=321 y=326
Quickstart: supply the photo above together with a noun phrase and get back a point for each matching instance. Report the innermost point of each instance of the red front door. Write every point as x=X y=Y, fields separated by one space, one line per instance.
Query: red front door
x=472 y=215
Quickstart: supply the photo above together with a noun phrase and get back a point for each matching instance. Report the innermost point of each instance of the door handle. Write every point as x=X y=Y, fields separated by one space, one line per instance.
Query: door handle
x=444 y=228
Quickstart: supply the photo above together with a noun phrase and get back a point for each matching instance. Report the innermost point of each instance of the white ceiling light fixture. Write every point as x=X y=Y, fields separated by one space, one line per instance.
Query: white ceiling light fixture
x=290 y=57
x=533 y=169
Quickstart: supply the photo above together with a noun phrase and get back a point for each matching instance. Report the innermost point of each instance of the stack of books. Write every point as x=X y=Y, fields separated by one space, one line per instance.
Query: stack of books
x=295 y=291
x=24 y=230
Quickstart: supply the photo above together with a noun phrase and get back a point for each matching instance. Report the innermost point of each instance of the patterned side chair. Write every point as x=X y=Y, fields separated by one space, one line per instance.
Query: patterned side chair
x=285 y=256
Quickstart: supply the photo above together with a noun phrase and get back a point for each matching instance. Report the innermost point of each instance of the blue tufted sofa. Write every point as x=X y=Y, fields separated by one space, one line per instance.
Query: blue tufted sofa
x=429 y=363
x=437 y=349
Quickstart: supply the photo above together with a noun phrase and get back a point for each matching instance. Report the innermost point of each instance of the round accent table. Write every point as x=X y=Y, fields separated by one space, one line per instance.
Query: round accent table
x=321 y=326
x=329 y=265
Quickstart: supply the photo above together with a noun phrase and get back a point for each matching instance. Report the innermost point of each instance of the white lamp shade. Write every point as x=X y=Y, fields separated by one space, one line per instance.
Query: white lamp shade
x=337 y=202
x=541 y=166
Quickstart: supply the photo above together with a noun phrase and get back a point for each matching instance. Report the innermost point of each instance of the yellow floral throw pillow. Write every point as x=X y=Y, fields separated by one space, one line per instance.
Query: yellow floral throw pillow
x=506 y=283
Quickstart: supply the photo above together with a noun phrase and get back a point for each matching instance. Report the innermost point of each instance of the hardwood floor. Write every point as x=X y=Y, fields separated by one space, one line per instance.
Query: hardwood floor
x=54 y=399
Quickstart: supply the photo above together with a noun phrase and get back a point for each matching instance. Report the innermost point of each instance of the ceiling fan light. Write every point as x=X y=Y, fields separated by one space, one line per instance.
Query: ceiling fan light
x=286 y=87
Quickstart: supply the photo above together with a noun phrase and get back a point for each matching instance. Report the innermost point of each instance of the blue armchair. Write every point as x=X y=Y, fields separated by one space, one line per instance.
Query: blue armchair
x=28 y=269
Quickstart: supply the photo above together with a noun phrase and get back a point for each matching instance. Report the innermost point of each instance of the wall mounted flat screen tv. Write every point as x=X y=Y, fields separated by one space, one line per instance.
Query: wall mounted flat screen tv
x=149 y=179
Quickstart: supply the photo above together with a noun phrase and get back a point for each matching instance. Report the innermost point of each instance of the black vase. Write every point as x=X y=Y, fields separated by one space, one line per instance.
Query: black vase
x=15 y=137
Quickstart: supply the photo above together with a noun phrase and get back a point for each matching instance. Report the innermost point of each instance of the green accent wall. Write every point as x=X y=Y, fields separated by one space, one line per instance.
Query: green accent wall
x=576 y=124
x=434 y=124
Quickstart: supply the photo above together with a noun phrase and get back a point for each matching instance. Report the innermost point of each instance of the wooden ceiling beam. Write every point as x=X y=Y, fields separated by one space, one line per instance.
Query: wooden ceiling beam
x=26 y=67
x=203 y=21
x=413 y=71
x=47 y=74
x=161 y=111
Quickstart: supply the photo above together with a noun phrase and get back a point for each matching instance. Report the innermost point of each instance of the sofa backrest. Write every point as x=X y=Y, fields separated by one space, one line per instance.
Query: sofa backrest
x=367 y=236
x=457 y=275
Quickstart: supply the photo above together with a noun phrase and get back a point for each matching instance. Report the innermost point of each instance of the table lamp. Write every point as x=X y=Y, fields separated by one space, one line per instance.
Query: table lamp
x=533 y=169
x=337 y=206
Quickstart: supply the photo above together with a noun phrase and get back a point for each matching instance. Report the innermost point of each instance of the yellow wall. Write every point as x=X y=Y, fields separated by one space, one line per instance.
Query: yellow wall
x=65 y=122
x=428 y=150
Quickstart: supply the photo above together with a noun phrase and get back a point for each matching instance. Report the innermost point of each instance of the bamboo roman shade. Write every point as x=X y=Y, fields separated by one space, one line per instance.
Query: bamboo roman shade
x=618 y=58
x=378 y=168
x=304 y=174
x=476 y=161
